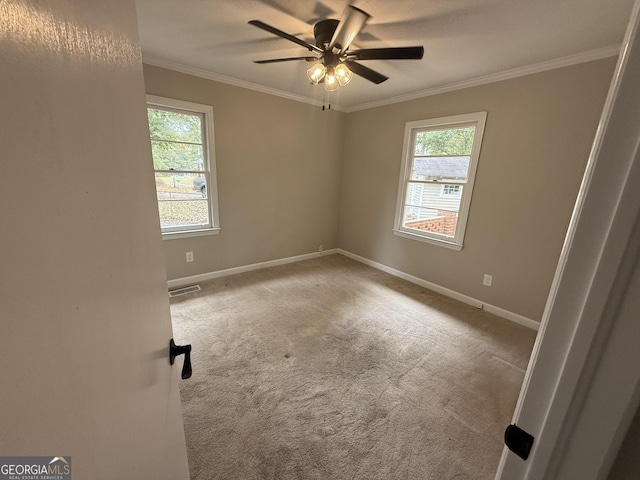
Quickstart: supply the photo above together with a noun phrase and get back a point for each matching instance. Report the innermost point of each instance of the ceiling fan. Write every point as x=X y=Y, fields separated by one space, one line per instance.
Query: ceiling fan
x=336 y=64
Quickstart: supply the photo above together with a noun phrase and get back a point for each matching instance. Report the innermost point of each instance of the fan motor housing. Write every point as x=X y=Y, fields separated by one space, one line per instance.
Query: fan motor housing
x=323 y=32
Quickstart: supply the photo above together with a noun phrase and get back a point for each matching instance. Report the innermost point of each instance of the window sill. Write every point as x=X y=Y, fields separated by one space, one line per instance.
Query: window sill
x=190 y=233
x=431 y=240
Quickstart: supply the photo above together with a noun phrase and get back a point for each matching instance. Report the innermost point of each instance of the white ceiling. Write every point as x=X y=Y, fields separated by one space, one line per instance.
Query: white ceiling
x=464 y=40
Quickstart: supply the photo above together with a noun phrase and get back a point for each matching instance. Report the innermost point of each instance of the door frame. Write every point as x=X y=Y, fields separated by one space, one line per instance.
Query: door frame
x=590 y=281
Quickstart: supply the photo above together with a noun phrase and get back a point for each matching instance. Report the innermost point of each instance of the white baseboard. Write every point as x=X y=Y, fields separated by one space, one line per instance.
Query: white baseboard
x=500 y=312
x=181 y=282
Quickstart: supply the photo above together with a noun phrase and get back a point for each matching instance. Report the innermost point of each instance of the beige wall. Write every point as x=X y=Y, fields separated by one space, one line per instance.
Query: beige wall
x=537 y=140
x=279 y=168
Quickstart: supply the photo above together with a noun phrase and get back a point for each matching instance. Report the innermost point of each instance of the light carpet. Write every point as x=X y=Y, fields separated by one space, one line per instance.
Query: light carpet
x=329 y=369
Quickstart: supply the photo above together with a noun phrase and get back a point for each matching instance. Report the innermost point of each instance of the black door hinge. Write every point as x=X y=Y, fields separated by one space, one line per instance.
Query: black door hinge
x=518 y=441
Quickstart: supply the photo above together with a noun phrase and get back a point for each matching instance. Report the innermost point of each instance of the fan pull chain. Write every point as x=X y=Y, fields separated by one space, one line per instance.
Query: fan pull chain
x=326 y=102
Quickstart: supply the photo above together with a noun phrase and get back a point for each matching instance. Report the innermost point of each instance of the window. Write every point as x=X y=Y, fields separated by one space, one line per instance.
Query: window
x=451 y=191
x=439 y=162
x=184 y=165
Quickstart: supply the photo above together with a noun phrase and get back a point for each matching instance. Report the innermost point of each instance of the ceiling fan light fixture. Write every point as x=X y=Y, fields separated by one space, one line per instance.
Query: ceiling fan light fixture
x=331 y=50
x=343 y=74
x=316 y=73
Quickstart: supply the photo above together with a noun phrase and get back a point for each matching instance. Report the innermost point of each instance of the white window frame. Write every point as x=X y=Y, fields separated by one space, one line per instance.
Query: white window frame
x=478 y=120
x=210 y=174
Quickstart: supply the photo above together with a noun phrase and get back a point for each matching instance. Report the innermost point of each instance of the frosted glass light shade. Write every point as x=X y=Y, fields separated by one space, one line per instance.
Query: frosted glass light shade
x=343 y=74
x=331 y=82
x=316 y=73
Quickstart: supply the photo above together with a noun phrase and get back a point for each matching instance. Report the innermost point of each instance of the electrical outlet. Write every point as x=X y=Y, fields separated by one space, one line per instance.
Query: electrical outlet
x=189 y=256
x=488 y=280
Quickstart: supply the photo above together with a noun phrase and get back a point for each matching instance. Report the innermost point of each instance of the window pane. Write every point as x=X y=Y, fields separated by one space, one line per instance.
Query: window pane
x=180 y=186
x=415 y=194
x=440 y=168
x=430 y=195
x=174 y=126
x=448 y=141
x=434 y=220
x=177 y=156
x=183 y=213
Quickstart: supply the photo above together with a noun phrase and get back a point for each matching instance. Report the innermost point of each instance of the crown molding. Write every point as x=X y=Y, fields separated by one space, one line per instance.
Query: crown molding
x=610 y=51
x=605 y=52
x=199 y=72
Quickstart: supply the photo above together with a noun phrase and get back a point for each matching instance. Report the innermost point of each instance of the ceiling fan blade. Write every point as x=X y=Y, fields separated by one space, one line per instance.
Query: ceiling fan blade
x=366 y=72
x=394 y=53
x=350 y=25
x=289 y=59
x=280 y=33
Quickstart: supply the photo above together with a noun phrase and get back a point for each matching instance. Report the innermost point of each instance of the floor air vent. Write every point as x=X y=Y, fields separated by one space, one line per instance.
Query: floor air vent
x=184 y=290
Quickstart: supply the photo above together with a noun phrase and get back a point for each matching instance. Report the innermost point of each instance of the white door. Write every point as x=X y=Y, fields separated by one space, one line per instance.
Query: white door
x=572 y=404
x=84 y=313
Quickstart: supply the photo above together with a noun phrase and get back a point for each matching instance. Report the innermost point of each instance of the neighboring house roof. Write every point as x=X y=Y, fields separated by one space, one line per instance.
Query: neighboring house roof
x=441 y=167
